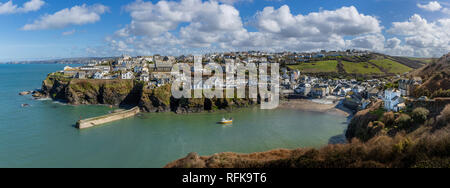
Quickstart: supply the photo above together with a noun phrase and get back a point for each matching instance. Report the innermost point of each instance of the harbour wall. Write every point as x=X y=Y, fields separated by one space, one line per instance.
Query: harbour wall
x=91 y=122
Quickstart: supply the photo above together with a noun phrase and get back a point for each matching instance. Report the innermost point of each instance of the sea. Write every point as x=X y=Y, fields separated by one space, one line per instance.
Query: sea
x=43 y=133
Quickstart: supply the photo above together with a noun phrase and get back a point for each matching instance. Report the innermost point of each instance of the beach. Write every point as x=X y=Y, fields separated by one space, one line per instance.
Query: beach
x=335 y=108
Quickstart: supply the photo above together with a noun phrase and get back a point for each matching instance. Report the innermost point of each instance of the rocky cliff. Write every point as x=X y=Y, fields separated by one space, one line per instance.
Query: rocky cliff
x=76 y=91
x=128 y=93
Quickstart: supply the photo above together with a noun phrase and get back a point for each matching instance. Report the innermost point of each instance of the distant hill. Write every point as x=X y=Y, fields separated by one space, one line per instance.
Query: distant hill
x=81 y=60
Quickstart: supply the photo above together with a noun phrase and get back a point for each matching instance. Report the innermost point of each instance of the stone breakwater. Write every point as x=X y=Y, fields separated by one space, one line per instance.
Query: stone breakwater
x=91 y=122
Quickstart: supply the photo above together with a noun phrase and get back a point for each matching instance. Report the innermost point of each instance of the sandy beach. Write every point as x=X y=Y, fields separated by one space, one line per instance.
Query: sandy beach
x=308 y=105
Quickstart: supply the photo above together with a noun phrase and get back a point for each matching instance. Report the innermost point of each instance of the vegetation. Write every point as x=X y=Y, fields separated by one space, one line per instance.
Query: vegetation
x=403 y=121
x=360 y=68
x=315 y=67
x=423 y=60
x=373 y=65
x=420 y=115
x=390 y=66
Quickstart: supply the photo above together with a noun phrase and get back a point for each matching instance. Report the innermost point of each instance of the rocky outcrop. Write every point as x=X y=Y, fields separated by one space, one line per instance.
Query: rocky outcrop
x=76 y=91
x=359 y=125
x=25 y=93
x=161 y=100
x=128 y=93
x=156 y=100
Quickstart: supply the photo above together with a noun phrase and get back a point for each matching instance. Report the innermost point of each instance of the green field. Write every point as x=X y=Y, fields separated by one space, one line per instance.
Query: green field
x=316 y=67
x=423 y=60
x=360 y=68
x=391 y=66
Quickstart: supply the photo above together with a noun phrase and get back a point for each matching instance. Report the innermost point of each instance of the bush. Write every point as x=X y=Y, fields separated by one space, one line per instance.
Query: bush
x=441 y=93
x=444 y=118
x=403 y=121
x=388 y=119
x=420 y=115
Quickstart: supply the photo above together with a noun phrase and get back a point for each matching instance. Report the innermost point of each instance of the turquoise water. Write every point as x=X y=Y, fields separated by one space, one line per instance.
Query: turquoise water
x=43 y=135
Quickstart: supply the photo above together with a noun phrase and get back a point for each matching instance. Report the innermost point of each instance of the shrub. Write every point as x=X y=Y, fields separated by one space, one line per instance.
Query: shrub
x=444 y=118
x=441 y=93
x=420 y=115
x=388 y=119
x=403 y=121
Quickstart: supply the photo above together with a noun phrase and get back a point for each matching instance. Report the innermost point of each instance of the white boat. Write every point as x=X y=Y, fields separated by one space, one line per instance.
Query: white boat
x=226 y=121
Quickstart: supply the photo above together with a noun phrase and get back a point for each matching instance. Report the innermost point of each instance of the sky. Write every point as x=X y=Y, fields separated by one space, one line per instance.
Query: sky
x=49 y=29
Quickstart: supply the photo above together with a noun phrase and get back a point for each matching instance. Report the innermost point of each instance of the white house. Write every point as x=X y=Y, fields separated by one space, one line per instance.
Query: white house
x=127 y=76
x=295 y=75
x=303 y=89
x=357 y=89
x=391 y=100
x=144 y=77
x=98 y=75
x=81 y=75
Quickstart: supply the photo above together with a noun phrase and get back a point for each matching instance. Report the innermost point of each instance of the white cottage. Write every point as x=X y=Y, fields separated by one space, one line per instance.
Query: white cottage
x=98 y=75
x=392 y=99
x=127 y=76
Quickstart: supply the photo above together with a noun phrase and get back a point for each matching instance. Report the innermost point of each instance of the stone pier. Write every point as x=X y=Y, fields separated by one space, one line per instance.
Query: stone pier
x=91 y=122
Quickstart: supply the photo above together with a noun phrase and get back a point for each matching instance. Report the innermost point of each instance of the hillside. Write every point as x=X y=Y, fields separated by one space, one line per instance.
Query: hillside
x=376 y=65
x=436 y=78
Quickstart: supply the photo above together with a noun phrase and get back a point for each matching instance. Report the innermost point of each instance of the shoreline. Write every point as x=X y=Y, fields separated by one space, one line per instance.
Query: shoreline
x=333 y=107
x=307 y=105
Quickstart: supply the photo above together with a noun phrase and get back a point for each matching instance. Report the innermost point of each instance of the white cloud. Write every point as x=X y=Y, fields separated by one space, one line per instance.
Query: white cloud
x=77 y=15
x=7 y=8
x=346 y=21
x=215 y=26
x=446 y=10
x=10 y=8
x=233 y=1
x=393 y=42
x=71 y=32
x=373 y=42
x=431 y=6
x=195 y=26
x=423 y=37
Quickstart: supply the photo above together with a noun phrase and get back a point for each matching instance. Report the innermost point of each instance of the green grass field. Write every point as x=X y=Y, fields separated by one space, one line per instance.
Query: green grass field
x=391 y=66
x=316 y=67
x=360 y=68
x=423 y=60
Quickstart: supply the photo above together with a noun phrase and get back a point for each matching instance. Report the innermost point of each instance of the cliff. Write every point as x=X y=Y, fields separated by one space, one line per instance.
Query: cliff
x=360 y=127
x=76 y=91
x=128 y=93
x=161 y=100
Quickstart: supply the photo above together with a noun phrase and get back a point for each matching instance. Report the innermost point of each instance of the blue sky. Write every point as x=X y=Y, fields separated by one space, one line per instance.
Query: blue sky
x=46 y=29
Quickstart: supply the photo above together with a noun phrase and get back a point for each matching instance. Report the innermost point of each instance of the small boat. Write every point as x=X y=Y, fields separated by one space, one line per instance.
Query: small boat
x=226 y=121
x=25 y=105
